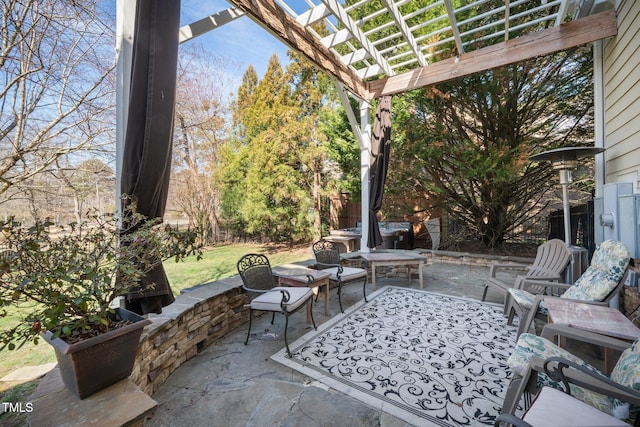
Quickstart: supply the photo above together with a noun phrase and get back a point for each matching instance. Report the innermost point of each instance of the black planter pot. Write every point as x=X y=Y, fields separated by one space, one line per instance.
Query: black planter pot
x=93 y=364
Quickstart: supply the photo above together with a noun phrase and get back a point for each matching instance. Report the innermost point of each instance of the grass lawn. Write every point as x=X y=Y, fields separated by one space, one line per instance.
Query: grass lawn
x=217 y=263
x=220 y=262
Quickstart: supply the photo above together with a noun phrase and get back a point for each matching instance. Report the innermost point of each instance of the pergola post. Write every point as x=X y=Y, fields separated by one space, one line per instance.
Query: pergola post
x=365 y=161
x=125 y=26
x=599 y=113
x=363 y=136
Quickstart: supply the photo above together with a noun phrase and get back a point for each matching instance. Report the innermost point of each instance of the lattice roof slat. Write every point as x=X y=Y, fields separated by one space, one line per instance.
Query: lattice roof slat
x=368 y=40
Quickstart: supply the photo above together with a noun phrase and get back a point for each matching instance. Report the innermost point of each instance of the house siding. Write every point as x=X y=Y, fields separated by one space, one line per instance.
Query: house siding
x=622 y=97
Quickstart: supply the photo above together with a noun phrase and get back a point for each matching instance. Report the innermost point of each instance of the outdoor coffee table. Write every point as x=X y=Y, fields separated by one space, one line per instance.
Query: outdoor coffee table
x=296 y=276
x=379 y=258
x=593 y=318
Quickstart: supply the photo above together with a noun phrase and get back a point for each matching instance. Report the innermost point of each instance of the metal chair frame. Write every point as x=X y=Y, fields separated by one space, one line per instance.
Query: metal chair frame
x=257 y=278
x=328 y=256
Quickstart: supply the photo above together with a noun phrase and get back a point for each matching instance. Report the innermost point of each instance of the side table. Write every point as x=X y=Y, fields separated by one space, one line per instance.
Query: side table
x=598 y=319
x=379 y=258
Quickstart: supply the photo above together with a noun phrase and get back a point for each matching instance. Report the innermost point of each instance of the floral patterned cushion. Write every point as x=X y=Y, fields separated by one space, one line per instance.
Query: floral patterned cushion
x=530 y=345
x=522 y=297
x=608 y=265
x=627 y=373
x=526 y=299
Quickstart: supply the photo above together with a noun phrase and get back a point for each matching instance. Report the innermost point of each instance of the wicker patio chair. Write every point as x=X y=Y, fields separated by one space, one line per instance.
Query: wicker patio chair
x=537 y=364
x=258 y=281
x=328 y=259
x=600 y=283
x=551 y=260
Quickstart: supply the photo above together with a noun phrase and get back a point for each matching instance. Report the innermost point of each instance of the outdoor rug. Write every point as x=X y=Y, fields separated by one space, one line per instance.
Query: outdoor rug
x=426 y=358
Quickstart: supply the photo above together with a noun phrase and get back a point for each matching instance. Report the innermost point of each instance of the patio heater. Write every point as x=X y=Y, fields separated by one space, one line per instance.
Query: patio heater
x=564 y=160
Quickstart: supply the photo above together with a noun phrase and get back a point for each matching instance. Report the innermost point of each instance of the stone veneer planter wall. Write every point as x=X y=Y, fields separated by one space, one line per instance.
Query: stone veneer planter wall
x=442 y=257
x=204 y=314
x=198 y=318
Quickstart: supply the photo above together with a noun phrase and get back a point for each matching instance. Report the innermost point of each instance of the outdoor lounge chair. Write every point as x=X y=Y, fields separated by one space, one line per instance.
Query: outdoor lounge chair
x=328 y=259
x=551 y=260
x=537 y=363
x=258 y=281
x=600 y=282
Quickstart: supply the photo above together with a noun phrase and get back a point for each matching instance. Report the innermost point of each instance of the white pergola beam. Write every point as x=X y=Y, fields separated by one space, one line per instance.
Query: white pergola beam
x=195 y=29
x=284 y=27
x=313 y=15
x=365 y=170
x=353 y=57
x=339 y=37
x=454 y=26
x=540 y=43
x=371 y=71
x=404 y=29
x=353 y=121
x=342 y=16
x=507 y=11
x=562 y=12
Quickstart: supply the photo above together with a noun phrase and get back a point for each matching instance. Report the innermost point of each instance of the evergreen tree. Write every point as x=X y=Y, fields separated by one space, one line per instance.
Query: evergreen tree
x=468 y=140
x=273 y=170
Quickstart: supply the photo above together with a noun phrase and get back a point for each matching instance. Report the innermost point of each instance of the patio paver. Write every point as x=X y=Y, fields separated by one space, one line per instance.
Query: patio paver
x=230 y=384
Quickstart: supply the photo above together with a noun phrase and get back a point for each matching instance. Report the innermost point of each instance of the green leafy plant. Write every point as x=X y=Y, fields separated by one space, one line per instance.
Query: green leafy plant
x=65 y=279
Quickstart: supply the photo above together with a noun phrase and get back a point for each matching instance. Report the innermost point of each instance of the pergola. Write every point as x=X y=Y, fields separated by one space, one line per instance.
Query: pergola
x=374 y=48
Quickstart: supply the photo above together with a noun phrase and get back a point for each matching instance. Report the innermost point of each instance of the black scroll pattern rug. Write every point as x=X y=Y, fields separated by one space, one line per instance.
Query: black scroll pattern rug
x=425 y=358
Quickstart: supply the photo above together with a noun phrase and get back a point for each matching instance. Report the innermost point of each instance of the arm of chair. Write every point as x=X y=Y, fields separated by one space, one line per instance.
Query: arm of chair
x=547 y=284
x=257 y=291
x=566 y=371
x=510 y=420
x=322 y=266
x=286 y=296
x=495 y=267
x=310 y=278
x=543 y=274
x=552 y=330
x=602 y=303
x=285 y=293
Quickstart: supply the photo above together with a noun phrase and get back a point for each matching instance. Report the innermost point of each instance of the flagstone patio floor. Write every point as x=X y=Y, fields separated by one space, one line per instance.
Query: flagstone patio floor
x=229 y=384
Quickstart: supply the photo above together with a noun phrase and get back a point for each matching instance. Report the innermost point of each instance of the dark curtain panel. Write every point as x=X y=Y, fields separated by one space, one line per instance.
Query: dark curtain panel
x=146 y=166
x=380 y=149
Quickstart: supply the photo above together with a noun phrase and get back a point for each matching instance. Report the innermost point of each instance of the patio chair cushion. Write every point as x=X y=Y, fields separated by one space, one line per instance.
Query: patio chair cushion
x=270 y=301
x=530 y=345
x=553 y=407
x=525 y=300
x=348 y=273
x=607 y=267
x=627 y=373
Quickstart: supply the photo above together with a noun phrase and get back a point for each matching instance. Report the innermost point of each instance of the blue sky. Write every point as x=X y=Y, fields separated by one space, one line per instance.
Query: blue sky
x=241 y=40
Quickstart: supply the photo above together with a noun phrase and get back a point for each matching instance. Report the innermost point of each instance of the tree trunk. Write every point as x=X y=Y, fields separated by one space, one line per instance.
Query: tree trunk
x=317 y=204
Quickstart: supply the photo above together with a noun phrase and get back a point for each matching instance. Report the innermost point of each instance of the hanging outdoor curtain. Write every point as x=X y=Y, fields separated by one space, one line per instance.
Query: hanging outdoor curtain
x=146 y=164
x=380 y=150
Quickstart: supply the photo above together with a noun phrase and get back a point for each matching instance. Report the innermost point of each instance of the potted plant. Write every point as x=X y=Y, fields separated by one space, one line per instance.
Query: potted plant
x=63 y=281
